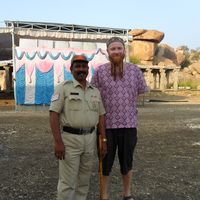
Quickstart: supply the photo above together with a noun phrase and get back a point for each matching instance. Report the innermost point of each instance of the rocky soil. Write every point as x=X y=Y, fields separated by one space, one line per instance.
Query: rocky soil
x=166 y=160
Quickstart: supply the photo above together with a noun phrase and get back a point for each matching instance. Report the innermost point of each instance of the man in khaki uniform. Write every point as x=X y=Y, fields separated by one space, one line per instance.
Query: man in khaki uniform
x=75 y=111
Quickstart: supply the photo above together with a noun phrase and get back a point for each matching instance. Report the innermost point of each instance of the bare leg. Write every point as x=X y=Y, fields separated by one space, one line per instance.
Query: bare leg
x=127 y=183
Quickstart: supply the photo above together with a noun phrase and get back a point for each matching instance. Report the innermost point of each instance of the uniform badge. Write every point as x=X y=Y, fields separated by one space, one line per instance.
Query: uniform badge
x=74 y=93
x=55 y=97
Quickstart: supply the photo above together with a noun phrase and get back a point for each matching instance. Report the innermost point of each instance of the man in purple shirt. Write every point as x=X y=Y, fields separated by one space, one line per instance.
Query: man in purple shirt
x=120 y=83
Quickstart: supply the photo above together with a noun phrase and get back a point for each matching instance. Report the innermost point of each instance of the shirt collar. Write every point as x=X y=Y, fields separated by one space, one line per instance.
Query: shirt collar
x=76 y=83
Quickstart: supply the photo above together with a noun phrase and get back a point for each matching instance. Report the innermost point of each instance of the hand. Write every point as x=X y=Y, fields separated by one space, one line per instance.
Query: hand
x=103 y=149
x=102 y=146
x=59 y=149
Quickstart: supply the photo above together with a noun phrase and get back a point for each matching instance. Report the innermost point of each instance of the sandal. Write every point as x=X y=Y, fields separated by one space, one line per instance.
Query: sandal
x=128 y=198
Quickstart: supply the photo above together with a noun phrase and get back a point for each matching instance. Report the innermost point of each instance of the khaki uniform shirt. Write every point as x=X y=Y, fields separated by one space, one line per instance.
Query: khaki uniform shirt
x=78 y=108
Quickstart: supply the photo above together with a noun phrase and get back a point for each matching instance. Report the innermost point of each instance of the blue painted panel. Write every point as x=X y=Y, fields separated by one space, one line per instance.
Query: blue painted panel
x=44 y=87
x=20 y=86
x=67 y=75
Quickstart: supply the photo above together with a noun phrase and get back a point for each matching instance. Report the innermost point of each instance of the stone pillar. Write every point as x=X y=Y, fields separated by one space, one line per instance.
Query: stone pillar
x=3 y=80
x=167 y=79
x=162 y=79
x=150 y=78
x=154 y=79
x=148 y=75
x=8 y=79
x=157 y=80
x=175 y=72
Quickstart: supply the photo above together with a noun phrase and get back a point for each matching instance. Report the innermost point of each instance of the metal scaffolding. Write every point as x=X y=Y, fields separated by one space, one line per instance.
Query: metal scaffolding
x=66 y=28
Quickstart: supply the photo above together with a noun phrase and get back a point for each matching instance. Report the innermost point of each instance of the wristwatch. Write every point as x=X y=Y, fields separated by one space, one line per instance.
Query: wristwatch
x=104 y=140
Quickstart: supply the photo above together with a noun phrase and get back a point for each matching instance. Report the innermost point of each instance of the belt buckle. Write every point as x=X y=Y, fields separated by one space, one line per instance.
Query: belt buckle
x=82 y=131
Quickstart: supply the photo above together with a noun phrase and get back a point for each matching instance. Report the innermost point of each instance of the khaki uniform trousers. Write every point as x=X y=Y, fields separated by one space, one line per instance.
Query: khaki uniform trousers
x=75 y=170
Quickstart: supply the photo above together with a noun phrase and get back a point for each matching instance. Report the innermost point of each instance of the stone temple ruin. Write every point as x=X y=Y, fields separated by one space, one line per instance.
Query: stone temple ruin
x=160 y=72
x=159 y=63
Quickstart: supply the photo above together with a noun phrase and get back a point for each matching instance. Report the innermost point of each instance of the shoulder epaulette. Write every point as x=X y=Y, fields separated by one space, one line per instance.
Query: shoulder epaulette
x=67 y=82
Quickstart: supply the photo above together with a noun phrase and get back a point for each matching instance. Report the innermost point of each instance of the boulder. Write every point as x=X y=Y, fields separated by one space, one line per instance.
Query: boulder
x=145 y=62
x=143 y=50
x=187 y=77
x=162 y=61
x=180 y=56
x=147 y=35
x=187 y=70
x=195 y=67
x=166 y=51
x=136 y=32
x=191 y=73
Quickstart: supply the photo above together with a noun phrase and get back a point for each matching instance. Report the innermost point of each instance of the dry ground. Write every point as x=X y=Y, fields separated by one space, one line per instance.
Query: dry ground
x=166 y=161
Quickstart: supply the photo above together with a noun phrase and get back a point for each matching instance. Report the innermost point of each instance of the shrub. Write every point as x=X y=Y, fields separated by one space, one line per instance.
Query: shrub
x=135 y=60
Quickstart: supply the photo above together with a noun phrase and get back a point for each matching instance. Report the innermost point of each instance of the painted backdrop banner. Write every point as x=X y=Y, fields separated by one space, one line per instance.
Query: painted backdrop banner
x=39 y=70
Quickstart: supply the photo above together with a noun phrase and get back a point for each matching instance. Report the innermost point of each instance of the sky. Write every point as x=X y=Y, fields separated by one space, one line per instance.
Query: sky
x=178 y=19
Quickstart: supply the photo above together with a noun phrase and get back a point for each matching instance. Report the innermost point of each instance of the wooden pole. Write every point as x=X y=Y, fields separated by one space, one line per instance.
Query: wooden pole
x=100 y=168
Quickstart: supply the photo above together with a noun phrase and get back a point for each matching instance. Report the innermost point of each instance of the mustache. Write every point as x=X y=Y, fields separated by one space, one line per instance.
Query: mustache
x=117 y=59
x=81 y=73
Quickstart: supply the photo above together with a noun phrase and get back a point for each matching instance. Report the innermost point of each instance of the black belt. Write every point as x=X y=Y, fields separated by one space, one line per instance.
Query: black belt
x=78 y=131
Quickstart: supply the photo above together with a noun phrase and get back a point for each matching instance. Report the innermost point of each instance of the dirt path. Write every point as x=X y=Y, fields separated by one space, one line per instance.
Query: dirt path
x=166 y=162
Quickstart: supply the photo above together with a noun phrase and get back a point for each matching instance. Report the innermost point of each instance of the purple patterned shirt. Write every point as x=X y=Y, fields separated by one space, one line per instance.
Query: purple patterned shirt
x=120 y=96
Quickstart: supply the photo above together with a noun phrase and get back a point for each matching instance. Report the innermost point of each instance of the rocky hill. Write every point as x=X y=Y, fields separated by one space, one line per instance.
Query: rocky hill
x=146 y=49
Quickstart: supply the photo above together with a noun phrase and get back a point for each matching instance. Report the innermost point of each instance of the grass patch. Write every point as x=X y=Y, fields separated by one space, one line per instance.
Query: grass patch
x=191 y=84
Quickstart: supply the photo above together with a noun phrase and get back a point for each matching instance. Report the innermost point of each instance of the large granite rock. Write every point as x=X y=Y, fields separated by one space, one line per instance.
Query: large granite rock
x=147 y=35
x=143 y=50
x=195 y=67
x=180 y=56
x=191 y=73
x=163 y=61
x=165 y=51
